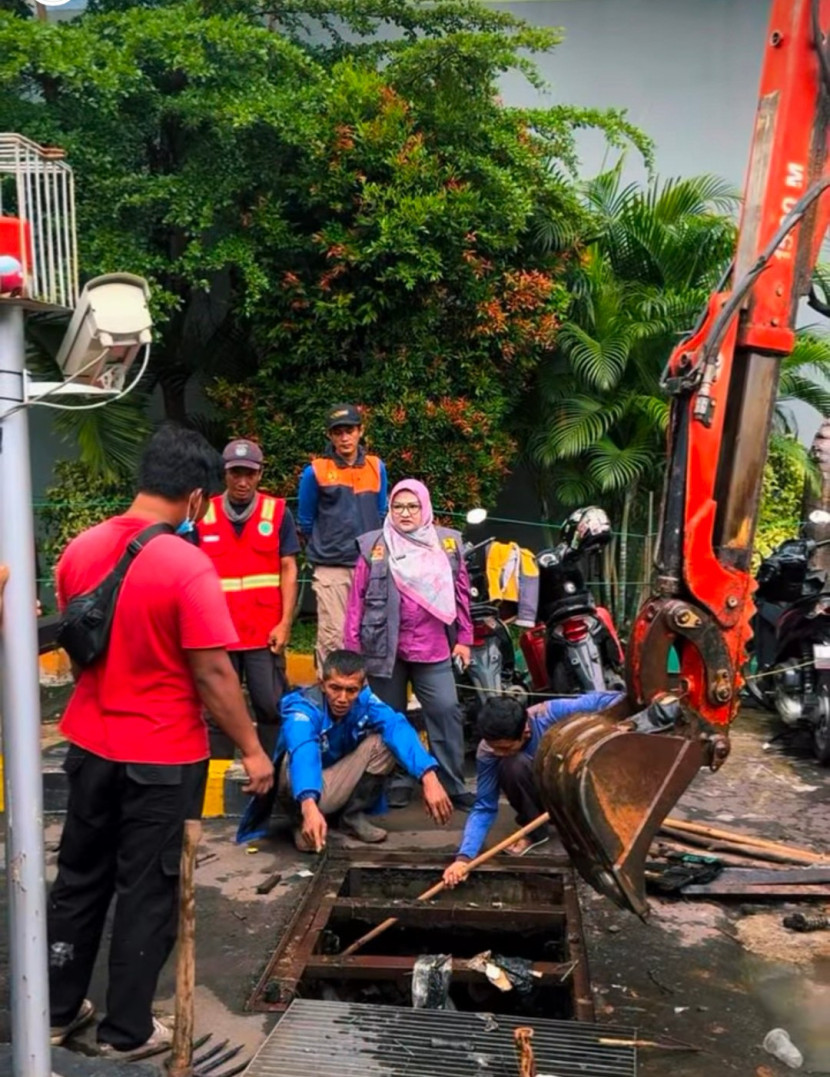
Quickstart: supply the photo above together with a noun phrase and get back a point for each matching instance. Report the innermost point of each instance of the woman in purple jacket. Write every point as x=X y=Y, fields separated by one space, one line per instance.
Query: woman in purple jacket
x=408 y=614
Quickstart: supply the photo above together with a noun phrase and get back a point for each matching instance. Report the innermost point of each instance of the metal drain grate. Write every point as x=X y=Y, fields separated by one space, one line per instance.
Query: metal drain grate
x=341 y=1039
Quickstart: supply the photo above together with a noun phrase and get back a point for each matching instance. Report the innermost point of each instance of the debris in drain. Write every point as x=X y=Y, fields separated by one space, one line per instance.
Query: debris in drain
x=437 y=1043
x=490 y=1023
x=797 y=921
x=505 y=973
x=329 y=942
x=431 y=977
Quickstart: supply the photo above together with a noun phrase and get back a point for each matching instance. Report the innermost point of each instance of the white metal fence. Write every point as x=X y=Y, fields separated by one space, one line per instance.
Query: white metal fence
x=37 y=188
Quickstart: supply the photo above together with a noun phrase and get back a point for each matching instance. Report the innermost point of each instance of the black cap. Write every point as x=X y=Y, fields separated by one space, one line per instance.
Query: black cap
x=343 y=415
x=242 y=453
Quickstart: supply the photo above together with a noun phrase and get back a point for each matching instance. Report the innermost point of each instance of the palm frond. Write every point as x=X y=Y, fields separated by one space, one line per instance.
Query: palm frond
x=795 y=386
x=577 y=424
x=615 y=467
x=600 y=363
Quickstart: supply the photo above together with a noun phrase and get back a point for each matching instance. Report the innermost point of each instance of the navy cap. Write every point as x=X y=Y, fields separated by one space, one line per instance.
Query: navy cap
x=343 y=415
x=242 y=453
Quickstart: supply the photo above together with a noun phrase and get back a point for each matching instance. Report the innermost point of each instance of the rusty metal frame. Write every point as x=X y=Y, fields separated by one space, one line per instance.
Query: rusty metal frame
x=299 y=953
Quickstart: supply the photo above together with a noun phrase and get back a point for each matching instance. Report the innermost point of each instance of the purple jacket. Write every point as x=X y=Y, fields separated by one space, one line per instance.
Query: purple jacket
x=416 y=635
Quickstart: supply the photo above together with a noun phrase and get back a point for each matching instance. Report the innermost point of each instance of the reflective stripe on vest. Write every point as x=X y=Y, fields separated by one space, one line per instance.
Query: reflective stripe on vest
x=251 y=583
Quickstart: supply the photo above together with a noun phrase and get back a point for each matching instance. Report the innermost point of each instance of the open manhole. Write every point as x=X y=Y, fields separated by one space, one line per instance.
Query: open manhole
x=525 y=909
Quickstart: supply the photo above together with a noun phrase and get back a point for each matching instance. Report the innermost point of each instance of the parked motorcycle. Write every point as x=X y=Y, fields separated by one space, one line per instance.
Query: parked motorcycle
x=791 y=641
x=492 y=669
x=574 y=647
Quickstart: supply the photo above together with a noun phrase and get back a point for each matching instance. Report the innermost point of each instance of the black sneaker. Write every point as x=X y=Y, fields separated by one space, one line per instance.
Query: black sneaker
x=463 y=801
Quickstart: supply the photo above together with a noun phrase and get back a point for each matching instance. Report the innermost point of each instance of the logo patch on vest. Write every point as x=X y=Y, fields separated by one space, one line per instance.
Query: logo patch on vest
x=449 y=544
x=265 y=527
x=377 y=553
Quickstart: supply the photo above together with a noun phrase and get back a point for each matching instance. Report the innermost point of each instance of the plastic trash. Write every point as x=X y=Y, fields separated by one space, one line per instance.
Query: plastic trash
x=777 y=1042
x=431 y=982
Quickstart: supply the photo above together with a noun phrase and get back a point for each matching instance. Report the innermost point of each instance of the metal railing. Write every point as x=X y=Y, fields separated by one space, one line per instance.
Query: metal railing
x=37 y=188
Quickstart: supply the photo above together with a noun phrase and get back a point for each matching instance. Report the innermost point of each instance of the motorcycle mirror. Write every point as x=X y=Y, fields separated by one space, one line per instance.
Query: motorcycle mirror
x=478 y=516
x=819 y=516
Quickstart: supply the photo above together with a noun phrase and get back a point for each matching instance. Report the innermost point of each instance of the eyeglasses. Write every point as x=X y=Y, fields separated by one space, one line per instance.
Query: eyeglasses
x=406 y=508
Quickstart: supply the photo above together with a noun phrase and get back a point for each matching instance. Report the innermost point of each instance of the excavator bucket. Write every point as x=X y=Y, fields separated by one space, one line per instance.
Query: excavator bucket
x=608 y=787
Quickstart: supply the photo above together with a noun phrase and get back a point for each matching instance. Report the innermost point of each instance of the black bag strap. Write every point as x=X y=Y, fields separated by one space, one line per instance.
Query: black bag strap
x=135 y=546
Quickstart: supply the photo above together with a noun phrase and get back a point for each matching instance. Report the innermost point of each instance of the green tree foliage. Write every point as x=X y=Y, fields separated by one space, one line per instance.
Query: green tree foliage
x=76 y=501
x=329 y=203
x=787 y=470
x=595 y=425
x=598 y=428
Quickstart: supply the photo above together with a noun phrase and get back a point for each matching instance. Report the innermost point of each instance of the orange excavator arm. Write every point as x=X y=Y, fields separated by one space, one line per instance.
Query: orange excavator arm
x=609 y=779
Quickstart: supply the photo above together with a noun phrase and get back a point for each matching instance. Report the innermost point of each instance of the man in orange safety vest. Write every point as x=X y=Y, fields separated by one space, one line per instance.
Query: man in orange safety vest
x=252 y=540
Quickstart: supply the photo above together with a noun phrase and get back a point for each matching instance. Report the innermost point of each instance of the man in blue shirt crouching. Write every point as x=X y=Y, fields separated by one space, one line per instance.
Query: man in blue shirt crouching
x=337 y=743
x=510 y=735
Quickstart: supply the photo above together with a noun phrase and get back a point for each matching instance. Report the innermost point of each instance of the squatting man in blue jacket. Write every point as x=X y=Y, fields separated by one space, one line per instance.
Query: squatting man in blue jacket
x=510 y=737
x=337 y=744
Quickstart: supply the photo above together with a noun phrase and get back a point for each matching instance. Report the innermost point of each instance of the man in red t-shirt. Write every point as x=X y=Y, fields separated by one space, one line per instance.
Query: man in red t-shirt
x=137 y=760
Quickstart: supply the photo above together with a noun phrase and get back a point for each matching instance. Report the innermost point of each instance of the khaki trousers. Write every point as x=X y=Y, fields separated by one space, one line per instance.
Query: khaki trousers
x=330 y=584
x=371 y=756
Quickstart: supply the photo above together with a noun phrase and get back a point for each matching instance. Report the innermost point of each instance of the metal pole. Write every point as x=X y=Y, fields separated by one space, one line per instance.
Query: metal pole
x=25 y=868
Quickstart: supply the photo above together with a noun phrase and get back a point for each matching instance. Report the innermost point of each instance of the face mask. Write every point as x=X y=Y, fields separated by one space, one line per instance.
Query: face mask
x=188 y=525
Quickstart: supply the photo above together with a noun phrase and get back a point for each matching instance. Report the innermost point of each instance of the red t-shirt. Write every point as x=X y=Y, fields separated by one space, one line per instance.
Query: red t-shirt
x=139 y=703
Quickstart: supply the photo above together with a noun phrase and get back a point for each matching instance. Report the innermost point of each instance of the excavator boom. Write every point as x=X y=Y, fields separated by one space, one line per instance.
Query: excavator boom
x=609 y=779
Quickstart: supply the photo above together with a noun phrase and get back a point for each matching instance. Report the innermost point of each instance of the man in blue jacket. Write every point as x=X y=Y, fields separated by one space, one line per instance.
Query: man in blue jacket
x=342 y=495
x=510 y=736
x=337 y=743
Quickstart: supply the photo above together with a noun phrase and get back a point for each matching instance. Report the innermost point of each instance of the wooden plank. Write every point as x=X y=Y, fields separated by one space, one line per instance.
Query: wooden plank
x=758 y=890
x=392 y=967
x=418 y=914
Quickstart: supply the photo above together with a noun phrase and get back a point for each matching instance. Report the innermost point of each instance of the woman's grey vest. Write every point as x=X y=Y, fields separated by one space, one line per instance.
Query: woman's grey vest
x=381 y=620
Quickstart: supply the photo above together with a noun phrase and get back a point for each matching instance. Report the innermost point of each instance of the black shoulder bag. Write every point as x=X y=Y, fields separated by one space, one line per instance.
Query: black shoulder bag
x=84 y=629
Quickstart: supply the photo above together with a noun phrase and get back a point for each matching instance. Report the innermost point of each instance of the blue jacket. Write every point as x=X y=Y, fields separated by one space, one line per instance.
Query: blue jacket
x=339 y=501
x=314 y=741
x=486 y=807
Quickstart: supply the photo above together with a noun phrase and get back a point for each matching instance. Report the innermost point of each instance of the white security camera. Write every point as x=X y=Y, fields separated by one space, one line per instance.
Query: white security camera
x=110 y=325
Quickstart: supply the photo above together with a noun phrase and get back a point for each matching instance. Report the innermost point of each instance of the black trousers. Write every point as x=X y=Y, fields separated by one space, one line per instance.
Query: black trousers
x=122 y=837
x=517 y=783
x=263 y=673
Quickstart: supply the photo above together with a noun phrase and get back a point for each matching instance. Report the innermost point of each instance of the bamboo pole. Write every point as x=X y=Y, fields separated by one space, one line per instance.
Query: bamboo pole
x=181 y=1062
x=434 y=890
x=756 y=852
x=736 y=836
x=661 y=847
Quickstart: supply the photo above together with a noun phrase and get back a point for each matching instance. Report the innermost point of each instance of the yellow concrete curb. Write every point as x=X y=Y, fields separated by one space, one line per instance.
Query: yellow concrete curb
x=300 y=668
x=55 y=668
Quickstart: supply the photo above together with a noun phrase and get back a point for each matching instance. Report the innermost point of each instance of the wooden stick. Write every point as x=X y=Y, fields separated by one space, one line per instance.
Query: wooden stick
x=756 y=852
x=181 y=1062
x=736 y=836
x=660 y=847
x=433 y=890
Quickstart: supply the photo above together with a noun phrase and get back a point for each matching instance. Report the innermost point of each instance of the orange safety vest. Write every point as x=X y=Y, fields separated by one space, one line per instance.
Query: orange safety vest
x=248 y=566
